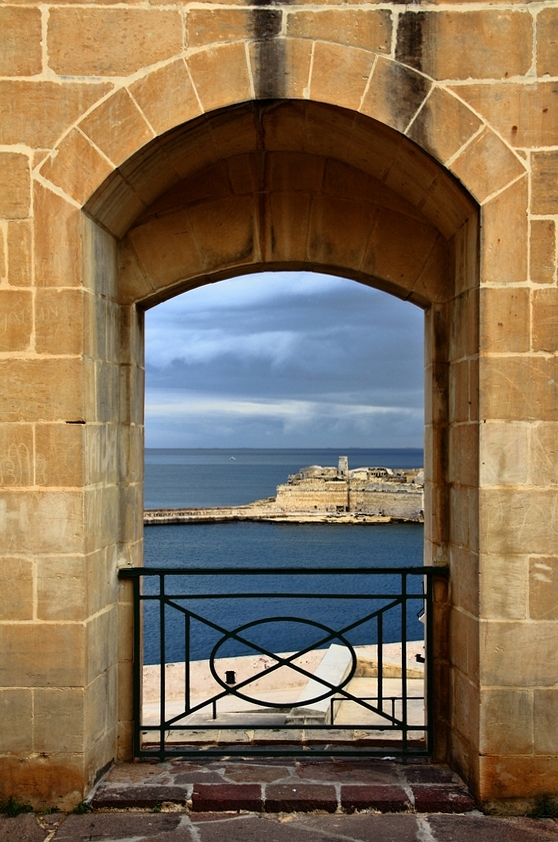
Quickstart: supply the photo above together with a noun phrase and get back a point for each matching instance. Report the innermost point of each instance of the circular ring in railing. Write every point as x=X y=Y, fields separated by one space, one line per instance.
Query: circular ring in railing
x=280 y=662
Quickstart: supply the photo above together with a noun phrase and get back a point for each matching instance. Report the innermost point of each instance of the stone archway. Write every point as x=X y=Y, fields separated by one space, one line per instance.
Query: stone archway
x=303 y=185
x=141 y=165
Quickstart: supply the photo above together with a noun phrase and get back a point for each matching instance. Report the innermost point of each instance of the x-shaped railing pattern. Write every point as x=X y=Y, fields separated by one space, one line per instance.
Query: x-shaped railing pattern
x=404 y=589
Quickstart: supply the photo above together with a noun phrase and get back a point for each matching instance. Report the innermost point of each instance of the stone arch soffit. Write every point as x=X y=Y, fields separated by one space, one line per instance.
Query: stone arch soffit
x=155 y=101
x=283 y=184
x=128 y=169
x=270 y=200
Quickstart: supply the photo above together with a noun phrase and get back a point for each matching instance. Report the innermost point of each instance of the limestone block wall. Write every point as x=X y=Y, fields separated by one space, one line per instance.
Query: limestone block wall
x=317 y=495
x=311 y=495
x=149 y=148
x=397 y=504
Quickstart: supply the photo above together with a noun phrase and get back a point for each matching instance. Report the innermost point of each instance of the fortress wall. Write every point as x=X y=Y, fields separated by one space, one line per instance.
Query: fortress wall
x=407 y=504
x=359 y=138
x=314 y=496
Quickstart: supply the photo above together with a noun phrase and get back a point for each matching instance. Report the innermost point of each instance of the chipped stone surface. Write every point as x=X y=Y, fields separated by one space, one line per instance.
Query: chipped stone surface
x=285 y=785
x=437 y=799
x=385 y=799
x=116 y=826
x=348 y=137
x=23 y=828
x=295 y=827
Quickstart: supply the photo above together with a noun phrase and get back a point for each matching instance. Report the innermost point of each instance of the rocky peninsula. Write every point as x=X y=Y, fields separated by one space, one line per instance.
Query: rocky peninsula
x=319 y=494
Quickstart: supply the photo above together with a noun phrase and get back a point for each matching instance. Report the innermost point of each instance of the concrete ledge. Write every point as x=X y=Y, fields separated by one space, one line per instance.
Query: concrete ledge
x=333 y=668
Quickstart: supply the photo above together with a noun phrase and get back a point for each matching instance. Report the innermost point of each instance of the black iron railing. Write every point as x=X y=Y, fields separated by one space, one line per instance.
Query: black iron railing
x=227 y=645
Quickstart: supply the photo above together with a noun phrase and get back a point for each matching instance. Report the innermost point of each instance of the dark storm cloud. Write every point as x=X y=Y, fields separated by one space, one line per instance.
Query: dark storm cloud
x=296 y=359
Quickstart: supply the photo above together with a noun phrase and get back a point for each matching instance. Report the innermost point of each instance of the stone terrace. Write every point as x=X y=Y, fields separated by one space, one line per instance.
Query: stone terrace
x=279 y=800
x=294 y=827
x=285 y=784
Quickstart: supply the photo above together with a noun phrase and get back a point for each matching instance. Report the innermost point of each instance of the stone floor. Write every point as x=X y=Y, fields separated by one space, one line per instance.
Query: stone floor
x=278 y=800
x=275 y=785
x=134 y=826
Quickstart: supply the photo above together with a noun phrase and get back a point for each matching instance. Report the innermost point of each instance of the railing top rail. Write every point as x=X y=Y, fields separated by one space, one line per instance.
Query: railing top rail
x=136 y=572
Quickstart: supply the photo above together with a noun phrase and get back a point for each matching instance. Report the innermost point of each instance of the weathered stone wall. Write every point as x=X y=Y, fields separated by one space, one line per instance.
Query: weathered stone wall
x=316 y=495
x=146 y=149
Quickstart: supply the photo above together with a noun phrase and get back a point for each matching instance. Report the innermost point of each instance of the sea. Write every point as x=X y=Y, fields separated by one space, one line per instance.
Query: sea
x=214 y=615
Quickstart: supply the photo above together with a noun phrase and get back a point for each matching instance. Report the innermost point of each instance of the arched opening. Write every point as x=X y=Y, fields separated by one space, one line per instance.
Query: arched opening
x=249 y=382
x=281 y=185
x=282 y=359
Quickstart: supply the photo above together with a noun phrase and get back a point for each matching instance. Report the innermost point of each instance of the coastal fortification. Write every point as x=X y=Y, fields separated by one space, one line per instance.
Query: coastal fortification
x=318 y=494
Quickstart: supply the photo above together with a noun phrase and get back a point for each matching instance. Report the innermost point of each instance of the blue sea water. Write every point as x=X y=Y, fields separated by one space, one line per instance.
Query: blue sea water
x=215 y=477
x=212 y=478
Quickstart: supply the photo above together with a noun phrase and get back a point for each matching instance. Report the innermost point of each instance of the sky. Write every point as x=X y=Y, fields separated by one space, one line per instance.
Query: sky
x=284 y=359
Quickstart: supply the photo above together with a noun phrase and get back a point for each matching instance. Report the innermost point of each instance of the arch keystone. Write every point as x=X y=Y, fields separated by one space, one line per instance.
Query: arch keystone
x=293 y=57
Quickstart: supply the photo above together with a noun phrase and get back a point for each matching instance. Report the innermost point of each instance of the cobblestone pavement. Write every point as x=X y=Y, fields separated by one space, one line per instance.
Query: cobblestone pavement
x=135 y=826
x=285 y=785
x=278 y=800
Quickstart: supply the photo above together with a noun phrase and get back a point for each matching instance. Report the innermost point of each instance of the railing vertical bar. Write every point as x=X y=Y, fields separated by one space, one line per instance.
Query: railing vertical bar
x=428 y=651
x=187 y=662
x=404 y=711
x=136 y=667
x=380 y=661
x=162 y=662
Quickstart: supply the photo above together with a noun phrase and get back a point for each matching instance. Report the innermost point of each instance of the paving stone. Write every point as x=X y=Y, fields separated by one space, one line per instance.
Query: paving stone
x=487 y=829
x=441 y=799
x=21 y=829
x=106 y=827
x=200 y=776
x=128 y=773
x=364 y=771
x=182 y=833
x=138 y=796
x=363 y=828
x=226 y=797
x=265 y=774
x=275 y=736
x=303 y=797
x=426 y=774
x=180 y=765
x=387 y=799
x=203 y=818
x=258 y=828
x=51 y=821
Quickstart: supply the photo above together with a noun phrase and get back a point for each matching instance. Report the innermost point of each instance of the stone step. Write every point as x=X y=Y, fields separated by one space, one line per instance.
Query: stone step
x=276 y=785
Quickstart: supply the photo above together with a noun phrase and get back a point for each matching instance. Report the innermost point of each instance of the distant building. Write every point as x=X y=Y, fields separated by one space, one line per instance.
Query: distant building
x=368 y=491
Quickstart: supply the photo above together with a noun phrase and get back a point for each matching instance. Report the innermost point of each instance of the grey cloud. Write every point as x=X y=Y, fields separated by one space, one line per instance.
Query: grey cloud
x=327 y=341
